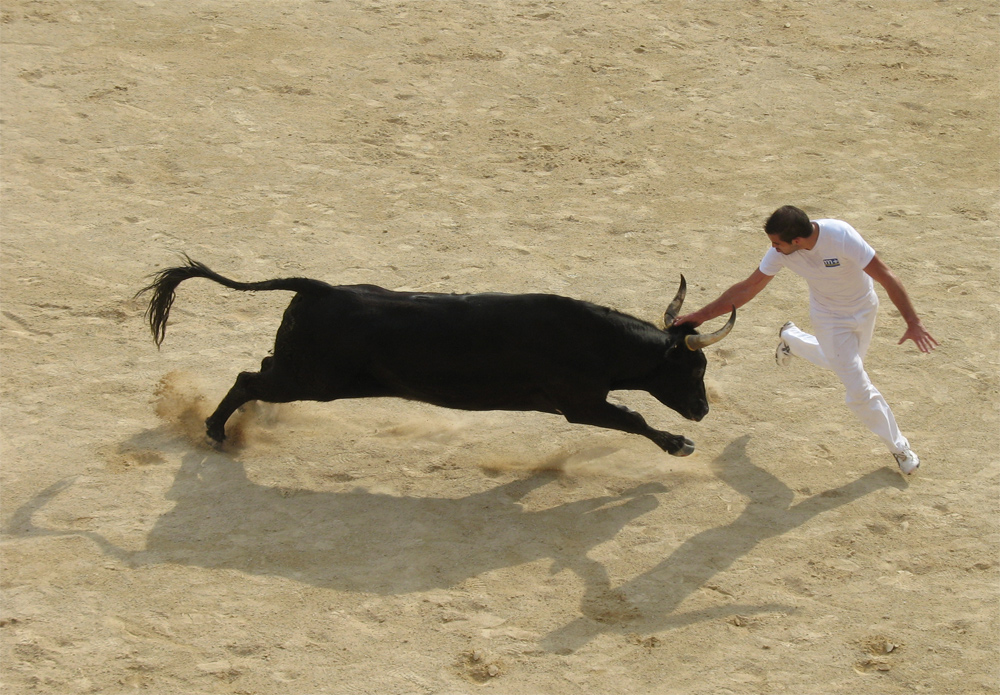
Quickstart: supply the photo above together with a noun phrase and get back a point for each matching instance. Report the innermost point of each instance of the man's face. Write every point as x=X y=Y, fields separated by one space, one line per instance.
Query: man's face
x=785 y=247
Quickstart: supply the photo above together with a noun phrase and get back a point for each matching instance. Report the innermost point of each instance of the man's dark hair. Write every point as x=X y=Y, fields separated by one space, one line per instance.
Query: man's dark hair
x=787 y=223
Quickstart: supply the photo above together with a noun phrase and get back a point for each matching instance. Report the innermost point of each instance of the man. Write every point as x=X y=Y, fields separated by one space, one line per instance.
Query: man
x=839 y=266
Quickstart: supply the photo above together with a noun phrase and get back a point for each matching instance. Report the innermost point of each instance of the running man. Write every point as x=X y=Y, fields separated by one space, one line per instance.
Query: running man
x=839 y=267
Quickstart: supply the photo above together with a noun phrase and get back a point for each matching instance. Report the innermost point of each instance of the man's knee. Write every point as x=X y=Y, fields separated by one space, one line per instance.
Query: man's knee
x=862 y=395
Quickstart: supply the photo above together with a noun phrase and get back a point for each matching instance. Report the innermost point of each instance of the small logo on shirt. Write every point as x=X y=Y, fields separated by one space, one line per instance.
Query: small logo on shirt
x=831 y=262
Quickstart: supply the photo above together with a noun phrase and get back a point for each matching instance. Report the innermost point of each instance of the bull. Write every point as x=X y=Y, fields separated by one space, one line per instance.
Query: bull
x=489 y=351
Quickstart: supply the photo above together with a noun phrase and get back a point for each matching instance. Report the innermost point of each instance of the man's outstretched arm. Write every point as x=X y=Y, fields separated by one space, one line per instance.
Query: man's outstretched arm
x=915 y=330
x=736 y=296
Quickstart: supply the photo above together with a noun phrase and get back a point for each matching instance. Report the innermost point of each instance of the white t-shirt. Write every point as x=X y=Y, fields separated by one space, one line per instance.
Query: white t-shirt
x=833 y=268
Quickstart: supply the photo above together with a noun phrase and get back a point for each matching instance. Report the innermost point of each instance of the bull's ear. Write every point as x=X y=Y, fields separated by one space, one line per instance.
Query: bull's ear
x=676 y=336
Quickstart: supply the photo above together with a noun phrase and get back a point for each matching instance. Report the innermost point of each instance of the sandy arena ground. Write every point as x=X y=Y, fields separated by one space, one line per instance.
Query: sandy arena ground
x=591 y=149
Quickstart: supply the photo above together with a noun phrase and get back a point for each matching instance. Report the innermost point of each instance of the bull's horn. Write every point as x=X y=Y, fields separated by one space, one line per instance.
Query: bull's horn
x=675 y=306
x=697 y=342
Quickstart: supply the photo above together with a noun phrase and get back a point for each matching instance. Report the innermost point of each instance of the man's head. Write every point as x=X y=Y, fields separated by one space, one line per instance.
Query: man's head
x=788 y=228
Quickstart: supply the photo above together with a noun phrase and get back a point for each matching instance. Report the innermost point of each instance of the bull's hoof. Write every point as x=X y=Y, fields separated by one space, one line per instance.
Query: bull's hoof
x=216 y=435
x=214 y=444
x=686 y=450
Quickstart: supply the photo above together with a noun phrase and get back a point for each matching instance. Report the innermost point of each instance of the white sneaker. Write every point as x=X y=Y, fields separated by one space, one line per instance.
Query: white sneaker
x=783 y=353
x=908 y=461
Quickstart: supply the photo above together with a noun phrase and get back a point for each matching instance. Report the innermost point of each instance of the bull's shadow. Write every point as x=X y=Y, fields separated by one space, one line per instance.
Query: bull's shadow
x=652 y=598
x=384 y=544
x=363 y=541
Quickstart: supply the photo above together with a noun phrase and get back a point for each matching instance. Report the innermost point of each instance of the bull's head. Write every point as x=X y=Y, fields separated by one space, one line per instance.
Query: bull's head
x=681 y=382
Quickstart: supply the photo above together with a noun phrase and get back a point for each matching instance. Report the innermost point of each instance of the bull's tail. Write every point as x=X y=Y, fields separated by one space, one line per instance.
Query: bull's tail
x=165 y=284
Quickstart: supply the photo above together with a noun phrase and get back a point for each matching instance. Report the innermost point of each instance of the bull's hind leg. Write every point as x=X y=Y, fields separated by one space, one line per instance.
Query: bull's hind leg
x=250 y=386
x=240 y=393
x=618 y=417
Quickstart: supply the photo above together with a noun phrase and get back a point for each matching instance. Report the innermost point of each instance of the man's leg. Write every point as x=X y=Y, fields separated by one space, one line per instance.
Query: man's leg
x=841 y=342
x=805 y=346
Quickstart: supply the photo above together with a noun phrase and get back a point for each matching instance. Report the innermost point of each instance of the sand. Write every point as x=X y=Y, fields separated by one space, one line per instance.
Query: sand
x=595 y=150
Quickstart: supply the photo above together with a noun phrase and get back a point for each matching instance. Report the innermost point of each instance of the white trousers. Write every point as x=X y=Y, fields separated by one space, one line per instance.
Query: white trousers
x=840 y=345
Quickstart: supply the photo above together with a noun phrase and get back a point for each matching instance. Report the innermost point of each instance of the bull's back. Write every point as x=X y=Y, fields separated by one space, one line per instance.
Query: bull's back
x=470 y=351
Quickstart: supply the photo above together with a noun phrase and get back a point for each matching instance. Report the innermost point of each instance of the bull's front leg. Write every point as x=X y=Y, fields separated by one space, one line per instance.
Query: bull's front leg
x=618 y=417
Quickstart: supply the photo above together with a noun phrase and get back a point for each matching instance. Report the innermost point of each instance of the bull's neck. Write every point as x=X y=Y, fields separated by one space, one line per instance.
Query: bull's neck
x=644 y=354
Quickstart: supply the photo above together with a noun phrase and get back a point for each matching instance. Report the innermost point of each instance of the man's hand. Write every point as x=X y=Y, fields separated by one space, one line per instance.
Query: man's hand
x=919 y=335
x=687 y=318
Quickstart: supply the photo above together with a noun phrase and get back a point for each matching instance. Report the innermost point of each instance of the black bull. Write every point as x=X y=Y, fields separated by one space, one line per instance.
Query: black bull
x=523 y=352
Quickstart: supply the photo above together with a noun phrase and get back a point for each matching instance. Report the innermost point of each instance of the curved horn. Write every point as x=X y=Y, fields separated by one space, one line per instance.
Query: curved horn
x=675 y=306
x=697 y=342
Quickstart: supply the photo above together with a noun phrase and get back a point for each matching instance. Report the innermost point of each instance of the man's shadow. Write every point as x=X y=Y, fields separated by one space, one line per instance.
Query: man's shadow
x=649 y=602
x=359 y=540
